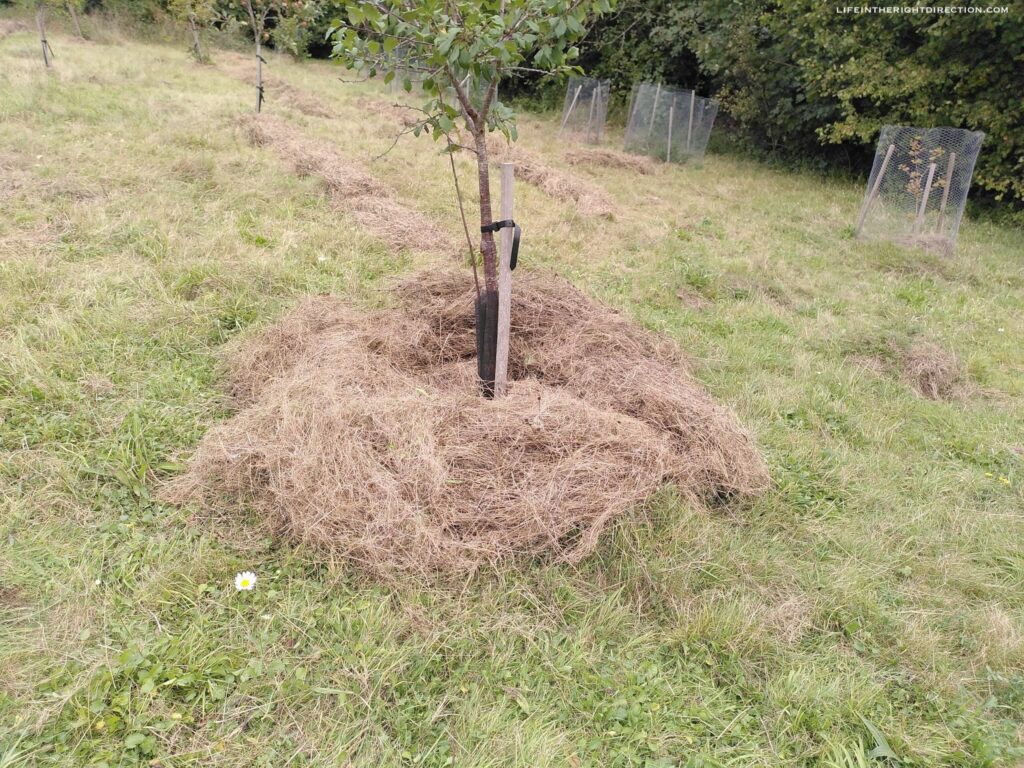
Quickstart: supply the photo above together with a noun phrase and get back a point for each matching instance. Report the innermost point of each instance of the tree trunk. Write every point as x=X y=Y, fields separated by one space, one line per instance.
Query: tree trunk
x=74 y=19
x=259 y=75
x=40 y=12
x=487 y=303
x=197 y=50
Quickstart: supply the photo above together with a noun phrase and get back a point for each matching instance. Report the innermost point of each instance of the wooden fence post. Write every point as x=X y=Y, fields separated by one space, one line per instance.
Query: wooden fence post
x=924 y=198
x=504 y=282
x=945 y=190
x=874 y=191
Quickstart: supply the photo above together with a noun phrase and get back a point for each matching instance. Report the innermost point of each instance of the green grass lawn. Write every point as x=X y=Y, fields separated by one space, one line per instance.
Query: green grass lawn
x=871 y=603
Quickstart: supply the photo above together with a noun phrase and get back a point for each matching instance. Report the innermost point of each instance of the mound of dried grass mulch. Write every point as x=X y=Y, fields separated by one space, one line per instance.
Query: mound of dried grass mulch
x=369 y=201
x=361 y=434
x=588 y=199
x=10 y=26
x=607 y=158
x=933 y=372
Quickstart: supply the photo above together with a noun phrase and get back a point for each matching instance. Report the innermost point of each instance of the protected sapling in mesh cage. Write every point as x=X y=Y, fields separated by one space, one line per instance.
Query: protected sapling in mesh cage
x=585 y=109
x=670 y=124
x=918 y=186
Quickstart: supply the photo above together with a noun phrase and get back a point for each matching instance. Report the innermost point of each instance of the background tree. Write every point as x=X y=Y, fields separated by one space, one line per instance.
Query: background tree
x=196 y=14
x=295 y=29
x=459 y=50
x=74 y=8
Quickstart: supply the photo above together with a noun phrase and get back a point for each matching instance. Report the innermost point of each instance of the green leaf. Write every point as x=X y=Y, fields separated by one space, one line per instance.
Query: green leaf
x=133 y=740
x=882 y=748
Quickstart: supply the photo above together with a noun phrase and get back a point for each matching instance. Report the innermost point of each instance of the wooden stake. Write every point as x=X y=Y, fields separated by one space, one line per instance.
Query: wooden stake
x=590 y=117
x=654 y=109
x=945 y=190
x=689 y=127
x=874 y=191
x=632 y=106
x=572 y=106
x=924 y=198
x=668 y=145
x=504 y=282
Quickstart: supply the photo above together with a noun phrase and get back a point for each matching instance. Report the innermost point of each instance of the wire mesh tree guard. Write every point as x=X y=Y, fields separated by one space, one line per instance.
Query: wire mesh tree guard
x=585 y=109
x=669 y=123
x=917 y=190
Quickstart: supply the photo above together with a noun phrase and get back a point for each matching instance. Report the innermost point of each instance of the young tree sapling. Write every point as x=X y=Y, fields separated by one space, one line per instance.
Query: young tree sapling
x=460 y=50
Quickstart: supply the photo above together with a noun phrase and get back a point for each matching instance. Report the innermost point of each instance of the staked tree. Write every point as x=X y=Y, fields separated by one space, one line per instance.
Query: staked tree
x=458 y=51
x=40 y=7
x=259 y=13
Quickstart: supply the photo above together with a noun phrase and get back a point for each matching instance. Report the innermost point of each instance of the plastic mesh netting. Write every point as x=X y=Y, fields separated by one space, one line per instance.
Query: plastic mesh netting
x=667 y=123
x=585 y=109
x=918 y=186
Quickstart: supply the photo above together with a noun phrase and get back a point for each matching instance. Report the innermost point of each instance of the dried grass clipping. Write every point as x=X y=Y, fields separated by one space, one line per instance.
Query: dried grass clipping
x=362 y=435
x=933 y=372
x=607 y=158
x=368 y=200
x=589 y=200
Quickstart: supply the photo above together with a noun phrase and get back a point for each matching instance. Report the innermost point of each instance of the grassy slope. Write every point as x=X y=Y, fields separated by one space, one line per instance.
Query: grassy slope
x=881 y=578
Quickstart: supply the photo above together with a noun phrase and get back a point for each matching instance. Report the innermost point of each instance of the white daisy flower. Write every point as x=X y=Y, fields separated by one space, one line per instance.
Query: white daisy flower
x=246 y=580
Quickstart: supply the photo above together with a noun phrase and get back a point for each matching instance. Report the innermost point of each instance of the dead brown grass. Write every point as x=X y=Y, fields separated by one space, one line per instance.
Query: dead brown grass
x=933 y=372
x=589 y=200
x=243 y=68
x=362 y=435
x=607 y=158
x=368 y=200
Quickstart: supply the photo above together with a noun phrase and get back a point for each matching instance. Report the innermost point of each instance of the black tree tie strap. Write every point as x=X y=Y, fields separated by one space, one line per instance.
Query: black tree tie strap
x=518 y=231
